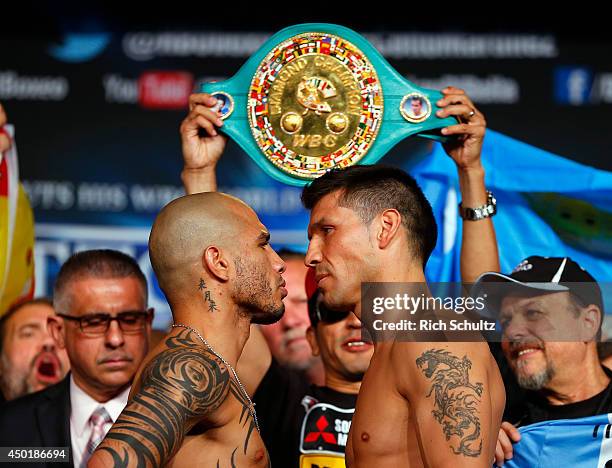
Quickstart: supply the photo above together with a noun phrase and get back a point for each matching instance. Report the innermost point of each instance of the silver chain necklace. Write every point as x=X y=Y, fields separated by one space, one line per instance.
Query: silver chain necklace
x=211 y=349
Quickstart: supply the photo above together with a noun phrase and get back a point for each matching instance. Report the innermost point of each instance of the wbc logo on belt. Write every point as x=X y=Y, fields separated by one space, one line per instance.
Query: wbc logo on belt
x=315 y=102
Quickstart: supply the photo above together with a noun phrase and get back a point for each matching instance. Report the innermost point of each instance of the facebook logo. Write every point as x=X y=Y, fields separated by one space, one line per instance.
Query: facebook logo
x=573 y=85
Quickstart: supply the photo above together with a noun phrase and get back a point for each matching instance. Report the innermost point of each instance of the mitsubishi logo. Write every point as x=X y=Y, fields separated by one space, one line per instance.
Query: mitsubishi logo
x=328 y=437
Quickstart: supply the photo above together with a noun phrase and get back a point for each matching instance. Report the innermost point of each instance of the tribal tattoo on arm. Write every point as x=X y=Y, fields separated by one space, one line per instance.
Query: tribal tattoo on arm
x=179 y=386
x=456 y=399
x=245 y=413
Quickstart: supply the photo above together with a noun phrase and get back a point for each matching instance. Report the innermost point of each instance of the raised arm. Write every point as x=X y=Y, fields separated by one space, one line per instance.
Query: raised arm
x=479 y=245
x=179 y=387
x=202 y=145
x=457 y=410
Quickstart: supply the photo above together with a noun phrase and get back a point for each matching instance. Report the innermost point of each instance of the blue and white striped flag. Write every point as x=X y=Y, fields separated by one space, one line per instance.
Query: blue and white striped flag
x=575 y=443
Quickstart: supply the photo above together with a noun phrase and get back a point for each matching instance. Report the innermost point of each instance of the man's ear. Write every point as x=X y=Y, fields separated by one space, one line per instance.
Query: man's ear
x=389 y=223
x=311 y=337
x=56 y=327
x=591 y=318
x=216 y=263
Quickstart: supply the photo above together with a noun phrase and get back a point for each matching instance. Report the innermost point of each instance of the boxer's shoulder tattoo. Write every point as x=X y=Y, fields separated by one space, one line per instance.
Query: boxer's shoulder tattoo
x=179 y=386
x=456 y=399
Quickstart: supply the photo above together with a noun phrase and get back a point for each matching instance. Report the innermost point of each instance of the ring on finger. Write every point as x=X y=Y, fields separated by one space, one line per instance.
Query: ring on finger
x=466 y=118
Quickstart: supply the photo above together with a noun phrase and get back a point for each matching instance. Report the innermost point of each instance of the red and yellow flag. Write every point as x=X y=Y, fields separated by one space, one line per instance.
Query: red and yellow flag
x=16 y=234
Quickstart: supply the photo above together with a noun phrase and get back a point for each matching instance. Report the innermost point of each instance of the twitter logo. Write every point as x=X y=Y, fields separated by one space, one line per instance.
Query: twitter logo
x=77 y=47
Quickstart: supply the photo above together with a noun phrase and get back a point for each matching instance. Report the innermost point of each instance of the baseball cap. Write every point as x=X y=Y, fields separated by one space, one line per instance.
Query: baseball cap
x=539 y=275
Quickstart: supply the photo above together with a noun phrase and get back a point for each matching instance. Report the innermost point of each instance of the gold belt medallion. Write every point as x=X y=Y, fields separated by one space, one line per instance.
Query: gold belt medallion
x=315 y=103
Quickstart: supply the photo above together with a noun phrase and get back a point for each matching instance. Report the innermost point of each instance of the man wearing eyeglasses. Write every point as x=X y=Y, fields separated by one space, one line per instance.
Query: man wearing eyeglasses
x=103 y=323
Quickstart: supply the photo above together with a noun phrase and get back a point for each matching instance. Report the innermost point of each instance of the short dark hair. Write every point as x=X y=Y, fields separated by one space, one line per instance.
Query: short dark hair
x=369 y=190
x=13 y=310
x=102 y=263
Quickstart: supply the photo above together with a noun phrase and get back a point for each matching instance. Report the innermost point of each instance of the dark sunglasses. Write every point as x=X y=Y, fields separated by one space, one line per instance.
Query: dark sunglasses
x=326 y=315
x=98 y=323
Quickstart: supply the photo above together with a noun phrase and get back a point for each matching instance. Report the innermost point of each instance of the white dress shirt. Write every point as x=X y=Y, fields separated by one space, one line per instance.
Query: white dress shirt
x=81 y=408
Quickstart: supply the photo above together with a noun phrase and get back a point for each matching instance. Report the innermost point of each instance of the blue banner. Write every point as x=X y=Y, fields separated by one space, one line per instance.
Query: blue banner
x=547 y=205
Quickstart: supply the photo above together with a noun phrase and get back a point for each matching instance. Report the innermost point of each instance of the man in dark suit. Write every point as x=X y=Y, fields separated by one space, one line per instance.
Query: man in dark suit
x=41 y=419
x=102 y=322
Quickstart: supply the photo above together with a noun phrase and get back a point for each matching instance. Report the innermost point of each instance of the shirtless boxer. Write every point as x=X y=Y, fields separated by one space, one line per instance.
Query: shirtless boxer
x=420 y=404
x=213 y=260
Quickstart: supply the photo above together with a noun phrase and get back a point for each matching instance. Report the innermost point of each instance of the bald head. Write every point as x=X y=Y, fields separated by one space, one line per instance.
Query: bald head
x=187 y=226
x=215 y=242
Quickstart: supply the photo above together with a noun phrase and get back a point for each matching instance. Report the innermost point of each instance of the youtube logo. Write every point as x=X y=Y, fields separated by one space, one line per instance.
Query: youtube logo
x=165 y=89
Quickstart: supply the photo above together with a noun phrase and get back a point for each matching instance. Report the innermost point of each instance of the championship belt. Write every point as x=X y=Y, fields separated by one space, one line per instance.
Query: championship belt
x=319 y=96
